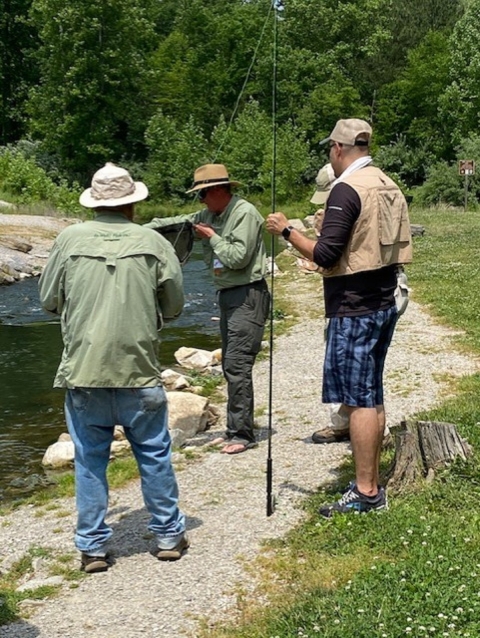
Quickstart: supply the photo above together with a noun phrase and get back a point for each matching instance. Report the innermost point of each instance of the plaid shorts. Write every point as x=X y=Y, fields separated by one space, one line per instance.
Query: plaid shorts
x=355 y=357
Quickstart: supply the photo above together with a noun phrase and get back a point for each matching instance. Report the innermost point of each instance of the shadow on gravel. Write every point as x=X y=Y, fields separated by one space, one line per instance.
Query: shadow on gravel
x=19 y=629
x=131 y=536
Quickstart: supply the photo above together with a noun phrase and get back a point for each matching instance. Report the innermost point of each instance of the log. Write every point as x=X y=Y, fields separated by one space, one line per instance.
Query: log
x=421 y=448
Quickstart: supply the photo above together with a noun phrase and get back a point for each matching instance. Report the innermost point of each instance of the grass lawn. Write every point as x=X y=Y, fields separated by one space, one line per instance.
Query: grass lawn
x=414 y=571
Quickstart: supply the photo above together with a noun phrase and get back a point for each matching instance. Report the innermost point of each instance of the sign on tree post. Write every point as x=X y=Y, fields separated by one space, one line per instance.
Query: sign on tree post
x=466 y=168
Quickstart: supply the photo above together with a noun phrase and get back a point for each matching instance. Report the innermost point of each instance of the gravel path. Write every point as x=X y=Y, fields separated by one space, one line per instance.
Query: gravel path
x=223 y=496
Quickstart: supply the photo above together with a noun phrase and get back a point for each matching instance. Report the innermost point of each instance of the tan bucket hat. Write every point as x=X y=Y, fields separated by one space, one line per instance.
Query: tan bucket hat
x=347 y=132
x=323 y=181
x=210 y=175
x=113 y=186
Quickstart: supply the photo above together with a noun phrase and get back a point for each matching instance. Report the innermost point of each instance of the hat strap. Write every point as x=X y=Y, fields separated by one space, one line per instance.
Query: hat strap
x=217 y=180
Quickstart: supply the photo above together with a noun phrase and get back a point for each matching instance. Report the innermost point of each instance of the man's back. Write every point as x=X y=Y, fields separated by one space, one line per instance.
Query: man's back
x=111 y=281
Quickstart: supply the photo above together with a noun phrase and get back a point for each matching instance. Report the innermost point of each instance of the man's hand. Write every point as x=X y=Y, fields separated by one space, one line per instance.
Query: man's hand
x=204 y=231
x=276 y=222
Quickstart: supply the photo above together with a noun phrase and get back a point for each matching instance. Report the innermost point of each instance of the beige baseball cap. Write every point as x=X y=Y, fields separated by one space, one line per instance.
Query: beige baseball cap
x=352 y=132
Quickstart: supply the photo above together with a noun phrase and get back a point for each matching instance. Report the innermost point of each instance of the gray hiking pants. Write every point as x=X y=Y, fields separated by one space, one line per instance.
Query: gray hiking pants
x=243 y=313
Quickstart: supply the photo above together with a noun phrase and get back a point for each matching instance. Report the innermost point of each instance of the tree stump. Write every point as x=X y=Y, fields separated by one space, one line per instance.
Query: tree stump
x=421 y=448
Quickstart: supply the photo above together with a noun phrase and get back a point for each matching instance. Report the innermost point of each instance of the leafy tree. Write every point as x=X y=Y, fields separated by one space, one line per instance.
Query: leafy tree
x=409 y=106
x=17 y=69
x=408 y=22
x=199 y=69
x=175 y=151
x=460 y=104
x=87 y=108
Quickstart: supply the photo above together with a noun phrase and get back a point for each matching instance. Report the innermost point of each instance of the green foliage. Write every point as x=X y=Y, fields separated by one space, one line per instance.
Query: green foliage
x=443 y=184
x=403 y=163
x=461 y=102
x=21 y=177
x=87 y=108
x=18 y=71
x=175 y=151
x=409 y=106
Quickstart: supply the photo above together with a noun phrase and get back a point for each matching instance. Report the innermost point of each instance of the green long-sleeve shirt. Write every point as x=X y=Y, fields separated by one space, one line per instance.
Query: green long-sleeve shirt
x=112 y=282
x=236 y=254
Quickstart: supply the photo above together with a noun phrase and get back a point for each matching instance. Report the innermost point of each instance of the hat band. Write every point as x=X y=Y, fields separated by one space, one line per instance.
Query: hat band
x=217 y=180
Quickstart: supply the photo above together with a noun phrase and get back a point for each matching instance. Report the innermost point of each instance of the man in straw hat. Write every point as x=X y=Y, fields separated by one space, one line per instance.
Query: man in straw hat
x=113 y=283
x=364 y=235
x=231 y=232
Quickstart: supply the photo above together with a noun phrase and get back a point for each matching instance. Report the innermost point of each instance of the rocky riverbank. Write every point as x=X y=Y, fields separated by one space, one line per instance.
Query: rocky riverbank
x=223 y=496
x=25 y=241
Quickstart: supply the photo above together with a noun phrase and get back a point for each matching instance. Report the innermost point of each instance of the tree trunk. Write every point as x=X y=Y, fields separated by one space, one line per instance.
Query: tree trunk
x=421 y=448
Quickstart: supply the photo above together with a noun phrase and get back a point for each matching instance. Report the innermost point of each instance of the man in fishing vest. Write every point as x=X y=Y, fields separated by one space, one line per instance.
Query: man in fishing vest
x=231 y=230
x=113 y=283
x=364 y=235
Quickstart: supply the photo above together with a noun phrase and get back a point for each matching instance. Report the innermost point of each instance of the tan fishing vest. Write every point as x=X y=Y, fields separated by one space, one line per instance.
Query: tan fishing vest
x=381 y=235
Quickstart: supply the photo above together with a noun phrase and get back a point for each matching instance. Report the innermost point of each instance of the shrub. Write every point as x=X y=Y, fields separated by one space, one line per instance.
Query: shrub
x=20 y=176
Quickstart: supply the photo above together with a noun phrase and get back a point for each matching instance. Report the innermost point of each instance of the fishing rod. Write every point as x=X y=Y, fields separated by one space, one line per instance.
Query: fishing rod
x=278 y=8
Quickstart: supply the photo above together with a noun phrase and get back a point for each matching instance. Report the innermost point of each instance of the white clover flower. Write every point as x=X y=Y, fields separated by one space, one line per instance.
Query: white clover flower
x=373 y=567
x=336 y=621
x=403 y=580
x=429 y=563
x=440 y=615
x=361 y=611
x=409 y=531
x=423 y=518
x=462 y=588
x=424 y=543
x=428 y=594
x=408 y=630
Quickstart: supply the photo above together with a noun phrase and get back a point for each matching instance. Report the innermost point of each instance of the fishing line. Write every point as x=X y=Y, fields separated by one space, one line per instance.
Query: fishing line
x=245 y=82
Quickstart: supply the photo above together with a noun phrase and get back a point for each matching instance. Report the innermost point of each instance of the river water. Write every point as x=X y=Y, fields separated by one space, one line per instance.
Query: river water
x=31 y=411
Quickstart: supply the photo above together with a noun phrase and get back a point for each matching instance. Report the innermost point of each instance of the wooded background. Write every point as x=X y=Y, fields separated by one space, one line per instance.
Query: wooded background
x=156 y=85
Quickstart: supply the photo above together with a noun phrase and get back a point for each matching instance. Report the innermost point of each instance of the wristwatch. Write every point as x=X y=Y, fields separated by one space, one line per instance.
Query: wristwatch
x=286 y=232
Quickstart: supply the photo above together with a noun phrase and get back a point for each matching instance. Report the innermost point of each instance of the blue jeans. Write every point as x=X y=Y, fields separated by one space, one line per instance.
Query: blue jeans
x=91 y=415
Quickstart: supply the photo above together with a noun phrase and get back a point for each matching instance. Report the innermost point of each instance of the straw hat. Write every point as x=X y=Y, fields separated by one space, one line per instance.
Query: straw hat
x=211 y=175
x=113 y=186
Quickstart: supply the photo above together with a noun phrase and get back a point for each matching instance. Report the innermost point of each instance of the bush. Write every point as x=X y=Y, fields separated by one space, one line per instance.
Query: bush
x=20 y=176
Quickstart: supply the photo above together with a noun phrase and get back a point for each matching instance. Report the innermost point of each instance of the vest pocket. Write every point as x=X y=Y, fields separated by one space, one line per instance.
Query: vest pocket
x=393 y=224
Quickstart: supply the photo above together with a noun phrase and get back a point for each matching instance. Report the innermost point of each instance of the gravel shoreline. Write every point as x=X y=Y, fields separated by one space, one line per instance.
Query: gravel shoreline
x=224 y=496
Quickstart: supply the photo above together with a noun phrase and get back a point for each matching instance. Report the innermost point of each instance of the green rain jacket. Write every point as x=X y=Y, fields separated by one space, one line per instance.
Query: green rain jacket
x=236 y=254
x=112 y=282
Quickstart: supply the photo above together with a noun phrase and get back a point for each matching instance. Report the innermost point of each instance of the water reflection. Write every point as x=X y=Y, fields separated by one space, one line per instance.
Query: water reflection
x=31 y=411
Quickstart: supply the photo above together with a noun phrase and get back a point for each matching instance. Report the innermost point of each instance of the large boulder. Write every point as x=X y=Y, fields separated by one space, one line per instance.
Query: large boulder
x=194 y=358
x=187 y=414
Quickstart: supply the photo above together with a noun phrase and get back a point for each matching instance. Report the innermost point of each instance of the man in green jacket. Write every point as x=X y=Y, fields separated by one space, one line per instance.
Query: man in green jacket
x=231 y=230
x=113 y=283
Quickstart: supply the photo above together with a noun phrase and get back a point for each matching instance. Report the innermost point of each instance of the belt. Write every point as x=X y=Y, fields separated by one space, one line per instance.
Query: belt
x=259 y=283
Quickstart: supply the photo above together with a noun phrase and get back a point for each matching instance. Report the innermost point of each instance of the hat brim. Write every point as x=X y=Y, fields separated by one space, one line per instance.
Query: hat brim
x=320 y=197
x=199 y=187
x=140 y=193
x=324 y=141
